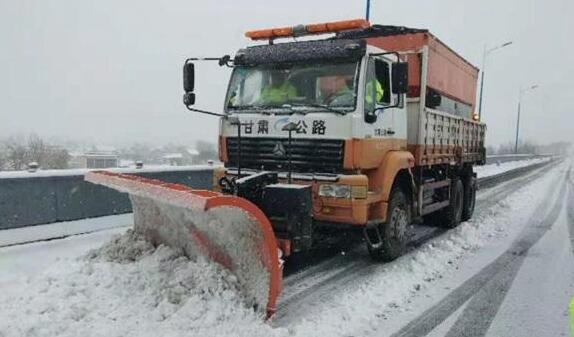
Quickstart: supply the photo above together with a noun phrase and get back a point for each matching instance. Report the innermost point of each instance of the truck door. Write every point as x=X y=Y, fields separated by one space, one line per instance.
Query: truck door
x=388 y=120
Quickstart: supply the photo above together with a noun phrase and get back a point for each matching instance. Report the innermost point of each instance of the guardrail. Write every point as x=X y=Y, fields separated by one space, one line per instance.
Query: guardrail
x=493 y=180
x=47 y=197
x=41 y=198
x=503 y=158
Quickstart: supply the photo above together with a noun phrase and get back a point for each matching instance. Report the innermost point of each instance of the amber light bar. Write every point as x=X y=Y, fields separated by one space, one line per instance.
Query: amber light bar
x=318 y=28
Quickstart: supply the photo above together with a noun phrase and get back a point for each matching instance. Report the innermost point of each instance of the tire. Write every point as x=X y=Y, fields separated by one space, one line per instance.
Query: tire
x=394 y=230
x=469 y=198
x=453 y=212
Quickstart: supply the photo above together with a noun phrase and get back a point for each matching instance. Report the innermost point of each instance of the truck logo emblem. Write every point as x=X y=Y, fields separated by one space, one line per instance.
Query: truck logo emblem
x=279 y=150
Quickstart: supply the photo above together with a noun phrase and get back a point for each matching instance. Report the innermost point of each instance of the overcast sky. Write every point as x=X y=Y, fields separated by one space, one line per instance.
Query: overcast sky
x=110 y=71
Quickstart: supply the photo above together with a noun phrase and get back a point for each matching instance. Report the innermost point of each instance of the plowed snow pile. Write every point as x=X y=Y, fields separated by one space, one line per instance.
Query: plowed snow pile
x=129 y=288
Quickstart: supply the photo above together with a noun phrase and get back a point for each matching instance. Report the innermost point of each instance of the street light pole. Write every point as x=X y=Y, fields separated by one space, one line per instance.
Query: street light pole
x=484 y=55
x=517 y=127
x=520 y=93
x=368 y=11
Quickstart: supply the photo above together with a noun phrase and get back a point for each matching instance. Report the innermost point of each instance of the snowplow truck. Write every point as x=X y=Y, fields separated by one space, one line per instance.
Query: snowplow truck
x=354 y=125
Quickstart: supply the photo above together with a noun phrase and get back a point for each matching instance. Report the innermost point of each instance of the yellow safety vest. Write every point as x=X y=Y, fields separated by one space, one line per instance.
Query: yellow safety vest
x=379 y=91
x=278 y=94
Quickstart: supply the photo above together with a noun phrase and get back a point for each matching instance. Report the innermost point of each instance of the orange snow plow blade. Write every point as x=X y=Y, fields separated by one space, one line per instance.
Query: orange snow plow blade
x=226 y=229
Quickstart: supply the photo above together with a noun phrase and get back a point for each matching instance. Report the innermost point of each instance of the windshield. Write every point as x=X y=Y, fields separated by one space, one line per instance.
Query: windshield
x=321 y=87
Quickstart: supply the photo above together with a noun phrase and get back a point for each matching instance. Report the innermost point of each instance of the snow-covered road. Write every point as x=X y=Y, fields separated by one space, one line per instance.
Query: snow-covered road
x=507 y=272
x=521 y=288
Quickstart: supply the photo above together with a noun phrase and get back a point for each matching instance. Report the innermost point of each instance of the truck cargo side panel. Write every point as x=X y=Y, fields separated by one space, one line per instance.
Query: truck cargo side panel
x=445 y=138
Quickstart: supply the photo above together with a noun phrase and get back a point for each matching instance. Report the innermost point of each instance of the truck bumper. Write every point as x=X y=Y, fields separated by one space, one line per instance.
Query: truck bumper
x=356 y=210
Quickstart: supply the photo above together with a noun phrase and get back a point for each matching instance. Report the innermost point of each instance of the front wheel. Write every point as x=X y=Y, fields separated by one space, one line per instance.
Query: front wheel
x=394 y=230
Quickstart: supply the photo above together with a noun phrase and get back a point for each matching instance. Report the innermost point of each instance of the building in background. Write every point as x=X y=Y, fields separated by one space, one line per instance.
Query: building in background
x=101 y=160
x=97 y=158
x=173 y=159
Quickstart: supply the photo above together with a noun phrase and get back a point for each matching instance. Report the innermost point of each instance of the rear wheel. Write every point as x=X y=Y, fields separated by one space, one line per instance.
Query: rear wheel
x=469 y=198
x=453 y=212
x=394 y=230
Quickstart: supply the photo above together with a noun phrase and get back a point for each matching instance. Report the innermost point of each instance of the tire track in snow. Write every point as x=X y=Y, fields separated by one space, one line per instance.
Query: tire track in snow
x=488 y=287
x=305 y=287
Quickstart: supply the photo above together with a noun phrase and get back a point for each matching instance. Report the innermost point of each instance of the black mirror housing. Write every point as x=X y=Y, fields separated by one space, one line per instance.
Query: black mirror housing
x=433 y=99
x=189 y=98
x=188 y=77
x=400 y=74
x=371 y=117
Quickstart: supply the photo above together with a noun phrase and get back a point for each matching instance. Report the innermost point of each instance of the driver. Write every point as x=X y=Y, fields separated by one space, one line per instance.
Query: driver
x=336 y=90
x=279 y=90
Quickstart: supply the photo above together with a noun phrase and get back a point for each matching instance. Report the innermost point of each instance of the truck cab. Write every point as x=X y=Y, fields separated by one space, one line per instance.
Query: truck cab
x=316 y=133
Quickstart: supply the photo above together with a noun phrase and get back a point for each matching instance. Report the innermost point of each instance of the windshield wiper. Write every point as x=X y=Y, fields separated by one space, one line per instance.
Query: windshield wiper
x=264 y=108
x=316 y=105
x=257 y=108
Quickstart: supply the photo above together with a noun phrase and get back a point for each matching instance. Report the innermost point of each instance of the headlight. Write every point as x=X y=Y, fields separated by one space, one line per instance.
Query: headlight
x=335 y=191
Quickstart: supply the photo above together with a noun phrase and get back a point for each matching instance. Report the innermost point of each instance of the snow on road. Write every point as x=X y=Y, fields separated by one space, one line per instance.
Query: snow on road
x=62 y=229
x=496 y=291
x=18 y=263
x=545 y=281
x=160 y=292
x=128 y=288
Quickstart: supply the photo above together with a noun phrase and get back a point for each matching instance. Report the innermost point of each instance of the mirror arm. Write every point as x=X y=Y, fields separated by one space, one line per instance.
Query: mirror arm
x=205 y=111
x=225 y=60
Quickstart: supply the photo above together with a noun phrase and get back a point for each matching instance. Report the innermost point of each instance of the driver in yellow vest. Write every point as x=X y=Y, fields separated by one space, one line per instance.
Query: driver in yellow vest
x=379 y=91
x=280 y=90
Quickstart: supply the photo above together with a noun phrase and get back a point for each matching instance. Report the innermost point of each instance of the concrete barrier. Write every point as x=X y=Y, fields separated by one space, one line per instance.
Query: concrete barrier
x=41 y=197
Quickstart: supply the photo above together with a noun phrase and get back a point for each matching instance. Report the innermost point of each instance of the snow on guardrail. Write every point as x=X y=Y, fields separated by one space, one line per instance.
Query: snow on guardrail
x=81 y=172
x=494 y=169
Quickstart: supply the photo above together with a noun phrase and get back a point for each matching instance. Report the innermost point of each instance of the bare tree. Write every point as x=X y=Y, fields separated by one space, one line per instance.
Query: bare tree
x=56 y=158
x=2 y=157
x=16 y=153
x=37 y=150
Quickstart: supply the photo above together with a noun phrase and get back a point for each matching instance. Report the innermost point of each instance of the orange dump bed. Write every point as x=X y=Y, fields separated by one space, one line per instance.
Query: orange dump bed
x=447 y=72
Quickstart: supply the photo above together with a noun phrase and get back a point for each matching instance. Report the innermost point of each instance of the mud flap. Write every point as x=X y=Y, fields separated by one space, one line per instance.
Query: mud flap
x=226 y=229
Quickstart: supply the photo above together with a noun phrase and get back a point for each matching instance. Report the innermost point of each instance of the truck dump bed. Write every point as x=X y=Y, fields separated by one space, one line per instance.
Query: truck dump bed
x=441 y=98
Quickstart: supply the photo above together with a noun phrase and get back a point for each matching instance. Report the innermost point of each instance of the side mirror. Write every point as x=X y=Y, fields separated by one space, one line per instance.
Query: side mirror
x=400 y=73
x=371 y=117
x=188 y=77
x=189 y=98
x=433 y=99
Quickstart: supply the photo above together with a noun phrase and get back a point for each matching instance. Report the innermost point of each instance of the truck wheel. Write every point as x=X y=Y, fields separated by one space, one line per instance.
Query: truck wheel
x=453 y=212
x=469 y=198
x=394 y=230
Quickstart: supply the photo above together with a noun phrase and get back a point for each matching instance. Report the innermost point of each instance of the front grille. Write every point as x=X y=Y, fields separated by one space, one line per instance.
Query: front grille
x=307 y=155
